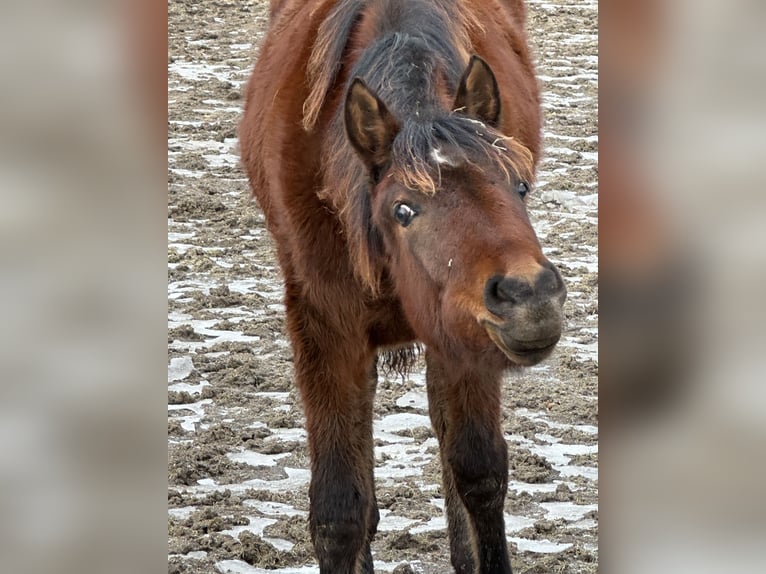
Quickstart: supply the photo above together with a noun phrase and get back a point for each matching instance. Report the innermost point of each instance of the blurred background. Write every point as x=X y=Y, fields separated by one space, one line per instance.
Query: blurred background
x=83 y=297
x=682 y=273
x=82 y=286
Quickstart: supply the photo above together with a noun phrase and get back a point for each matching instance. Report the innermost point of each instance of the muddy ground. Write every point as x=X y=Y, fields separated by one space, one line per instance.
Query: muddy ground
x=237 y=459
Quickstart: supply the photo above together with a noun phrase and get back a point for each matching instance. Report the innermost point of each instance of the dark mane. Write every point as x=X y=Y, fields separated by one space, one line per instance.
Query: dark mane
x=413 y=61
x=327 y=56
x=433 y=22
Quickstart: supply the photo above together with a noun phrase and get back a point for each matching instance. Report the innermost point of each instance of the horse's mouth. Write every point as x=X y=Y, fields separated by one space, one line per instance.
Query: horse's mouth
x=525 y=353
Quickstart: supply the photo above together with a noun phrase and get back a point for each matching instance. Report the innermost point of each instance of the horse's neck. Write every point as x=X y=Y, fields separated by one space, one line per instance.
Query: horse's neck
x=410 y=70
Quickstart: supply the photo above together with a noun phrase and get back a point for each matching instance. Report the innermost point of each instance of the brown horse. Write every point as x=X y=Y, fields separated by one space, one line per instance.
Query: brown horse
x=390 y=144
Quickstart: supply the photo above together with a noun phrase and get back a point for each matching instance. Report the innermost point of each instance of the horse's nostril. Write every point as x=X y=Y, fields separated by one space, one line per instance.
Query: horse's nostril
x=504 y=292
x=549 y=282
x=513 y=290
x=493 y=288
x=499 y=292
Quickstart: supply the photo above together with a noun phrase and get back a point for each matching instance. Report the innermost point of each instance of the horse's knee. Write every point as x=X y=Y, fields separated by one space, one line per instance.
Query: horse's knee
x=338 y=530
x=479 y=463
x=482 y=494
x=338 y=543
x=338 y=522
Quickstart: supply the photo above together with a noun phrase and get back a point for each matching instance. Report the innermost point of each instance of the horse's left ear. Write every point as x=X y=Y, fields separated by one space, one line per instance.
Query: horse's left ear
x=370 y=126
x=478 y=95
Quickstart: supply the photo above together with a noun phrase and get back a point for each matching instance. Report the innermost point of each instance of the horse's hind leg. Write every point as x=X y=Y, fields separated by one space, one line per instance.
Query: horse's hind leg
x=331 y=370
x=373 y=516
x=474 y=460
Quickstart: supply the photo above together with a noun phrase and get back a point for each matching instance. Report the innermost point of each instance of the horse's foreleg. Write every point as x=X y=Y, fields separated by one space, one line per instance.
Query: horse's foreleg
x=331 y=373
x=460 y=531
x=337 y=517
x=476 y=454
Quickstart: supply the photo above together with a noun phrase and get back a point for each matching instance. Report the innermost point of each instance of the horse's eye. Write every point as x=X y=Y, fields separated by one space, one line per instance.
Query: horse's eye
x=522 y=189
x=404 y=214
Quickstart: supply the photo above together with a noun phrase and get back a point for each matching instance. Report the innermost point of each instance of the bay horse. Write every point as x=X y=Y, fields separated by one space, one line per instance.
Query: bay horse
x=390 y=144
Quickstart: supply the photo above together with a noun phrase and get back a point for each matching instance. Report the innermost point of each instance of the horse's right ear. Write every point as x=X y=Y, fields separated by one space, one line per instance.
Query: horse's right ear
x=478 y=95
x=370 y=127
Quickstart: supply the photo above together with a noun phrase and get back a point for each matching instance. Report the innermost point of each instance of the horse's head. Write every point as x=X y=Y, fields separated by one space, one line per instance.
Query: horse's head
x=447 y=206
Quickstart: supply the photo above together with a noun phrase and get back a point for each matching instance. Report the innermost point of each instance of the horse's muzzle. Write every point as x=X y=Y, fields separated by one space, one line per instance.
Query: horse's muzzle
x=525 y=353
x=526 y=317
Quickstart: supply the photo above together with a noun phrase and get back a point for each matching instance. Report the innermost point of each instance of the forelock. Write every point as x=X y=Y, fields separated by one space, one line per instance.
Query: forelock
x=423 y=148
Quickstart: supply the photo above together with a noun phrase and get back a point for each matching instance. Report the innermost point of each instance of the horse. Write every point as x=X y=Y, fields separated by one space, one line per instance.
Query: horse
x=390 y=145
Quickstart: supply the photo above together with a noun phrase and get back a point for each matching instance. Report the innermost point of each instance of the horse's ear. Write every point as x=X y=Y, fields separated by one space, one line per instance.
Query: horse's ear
x=478 y=95
x=370 y=126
